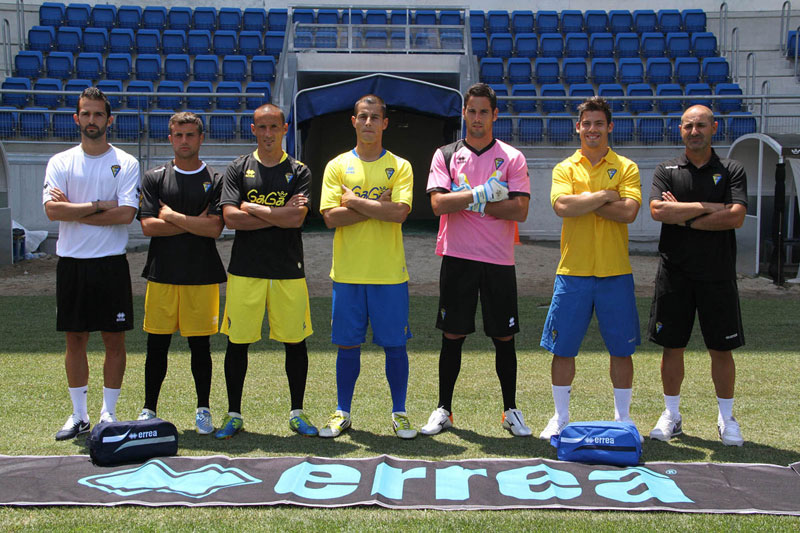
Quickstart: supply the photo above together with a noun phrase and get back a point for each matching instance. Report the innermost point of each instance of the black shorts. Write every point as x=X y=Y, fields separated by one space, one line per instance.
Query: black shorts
x=677 y=298
x=460 y=281
x=94 y=294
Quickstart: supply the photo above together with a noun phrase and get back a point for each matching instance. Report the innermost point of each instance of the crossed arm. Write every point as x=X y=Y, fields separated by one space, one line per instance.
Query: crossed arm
x=708 y=216
x=605 y=203
x=354 y=209
x=170 y=222
x=514 y=208
x=250 y=216
x=97 y=213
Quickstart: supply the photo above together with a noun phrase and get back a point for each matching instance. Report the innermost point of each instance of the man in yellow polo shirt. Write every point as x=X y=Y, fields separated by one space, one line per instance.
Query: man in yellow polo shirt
x=597 y=193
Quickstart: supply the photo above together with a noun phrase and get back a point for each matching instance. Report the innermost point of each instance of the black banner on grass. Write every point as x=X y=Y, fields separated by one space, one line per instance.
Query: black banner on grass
x=402 y=483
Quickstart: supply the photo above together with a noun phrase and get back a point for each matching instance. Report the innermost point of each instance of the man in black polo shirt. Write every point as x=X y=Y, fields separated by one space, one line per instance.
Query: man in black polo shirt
x=700 y=200
x=180 y=211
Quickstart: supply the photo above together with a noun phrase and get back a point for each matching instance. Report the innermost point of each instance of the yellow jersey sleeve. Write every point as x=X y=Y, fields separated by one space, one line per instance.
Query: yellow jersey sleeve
x=331 y=193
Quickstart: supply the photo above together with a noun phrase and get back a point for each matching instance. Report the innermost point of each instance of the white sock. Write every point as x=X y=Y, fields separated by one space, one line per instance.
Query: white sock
x=672 y=403
x=622 y=404
x=110 y=397
x=78 y=397
x=561 y=400
x=725 y=408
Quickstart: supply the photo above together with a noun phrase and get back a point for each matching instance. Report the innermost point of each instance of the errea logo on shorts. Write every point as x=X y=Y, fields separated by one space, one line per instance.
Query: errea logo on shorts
x=120 y=317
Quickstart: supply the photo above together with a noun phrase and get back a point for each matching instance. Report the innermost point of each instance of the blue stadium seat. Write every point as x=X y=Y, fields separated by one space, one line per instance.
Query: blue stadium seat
x=669 y=20
x=519 y=70
x=480 y=45
x=245 y=133
x=398 y=40
x=694 y=20
x=740 y=123
x=327 y=39
x=595 y=21
x=63 y=124
x=277 y=19
x=120 y=41
x=501 y=45
x=725 y=89
x=652 y=45
x=109 y=87
x=623 y=128
x=695 y=91
x=69 y=39
x=372 y=39
x=571 y=21
x=262 y=68
x=524 y=90
x=205 y=18
x=546 y=70
x=522 y=21
x=28 y=64
x=526 y=45
x=41 y=38
x=254 y=19
x=620 y=21
x=551 y=45
x=720 y=135
x=17 y=84
x=658 y=70
x=609 y=91
x=627 y=44
x=673 y=128
x=155 y=18
x=451 y=39
x=103 y=16
x=139 y=102
x=604 y=70
x=374 y=16
x=704 y=44
x=450 y=18
x=179 y=18
x=129 y=17
x=89 y=65
x=644 y=20
x=199 y=102
x=77 y=15
x=650 y=127
x=148 y=67
x=118 y=66
x=233 y=103
x=169 y=102
x=584 y=90
x=42 y=84
x=546 y=22
x=601 y=45
x=250 y=43
x=531 y=128
x=500 y=89
x=261 y=94
x=328 y=16
x=669 y=89
x=71 y=100
x=631 y=70
x=553 y=89
x=503 y=128
x=52 y=14
x=234 y=68
x=198 y=42
x=206 y=67
x=560 y=128
x=678 y=44
x=491 y=70
x=222 y=126
x=229 y=18
x=148 y=41
x=176 y=67
x=576 y=45
x=60 y=65
x=715 y=70
x=426 y=17
x=273 y=43
x=498 y=21
x=128 y=124
x=640 y=106
x=573 y=70
x=9 y=122
x=34 y=122
x=687 y=70
x=95 y=40
x=401 y=17
x=224 y=42
x=158 y=123
x=173 y=42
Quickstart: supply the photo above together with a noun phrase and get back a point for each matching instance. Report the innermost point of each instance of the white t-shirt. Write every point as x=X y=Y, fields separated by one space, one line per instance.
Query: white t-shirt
x=113 y=175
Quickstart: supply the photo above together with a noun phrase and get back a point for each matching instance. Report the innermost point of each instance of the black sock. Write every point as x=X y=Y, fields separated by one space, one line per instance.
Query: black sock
x=201 y=368
x=235 y=371
x=155 y=368
x=449 y=367
x=296 y=371
x=505 y=364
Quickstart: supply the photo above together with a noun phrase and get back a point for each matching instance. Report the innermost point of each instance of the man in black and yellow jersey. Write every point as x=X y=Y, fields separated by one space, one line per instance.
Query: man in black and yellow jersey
x=264 y=198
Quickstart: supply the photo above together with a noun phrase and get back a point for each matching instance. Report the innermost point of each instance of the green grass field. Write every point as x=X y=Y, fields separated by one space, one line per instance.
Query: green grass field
x=35 y=403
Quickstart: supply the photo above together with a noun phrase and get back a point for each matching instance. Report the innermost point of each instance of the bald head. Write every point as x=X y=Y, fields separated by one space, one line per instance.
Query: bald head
x=269 y=109
x=697 y=129
x=698 y=110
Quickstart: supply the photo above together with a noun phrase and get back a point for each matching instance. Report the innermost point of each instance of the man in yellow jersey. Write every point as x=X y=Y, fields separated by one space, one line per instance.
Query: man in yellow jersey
x=366 y=195
x=597 y=193
x=264 y=198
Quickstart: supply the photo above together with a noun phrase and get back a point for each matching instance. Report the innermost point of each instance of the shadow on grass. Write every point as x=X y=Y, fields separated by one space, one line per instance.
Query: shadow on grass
x=249 y=441
x=687 y=448
x=421 y=447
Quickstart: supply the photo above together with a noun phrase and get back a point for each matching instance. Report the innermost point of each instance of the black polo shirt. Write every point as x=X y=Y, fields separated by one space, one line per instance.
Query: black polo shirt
x=700 y=254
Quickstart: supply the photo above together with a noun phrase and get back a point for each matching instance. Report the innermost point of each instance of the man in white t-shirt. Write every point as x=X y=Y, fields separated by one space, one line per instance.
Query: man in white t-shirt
x=93 y=191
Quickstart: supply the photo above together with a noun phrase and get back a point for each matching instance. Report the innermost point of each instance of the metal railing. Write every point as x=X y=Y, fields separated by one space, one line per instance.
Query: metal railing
x=786 y=15
x=378 y=38
x=723 y=26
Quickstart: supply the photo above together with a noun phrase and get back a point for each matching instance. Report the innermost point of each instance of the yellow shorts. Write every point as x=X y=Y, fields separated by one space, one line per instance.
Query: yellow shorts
x=194 y=309
x=284 y=300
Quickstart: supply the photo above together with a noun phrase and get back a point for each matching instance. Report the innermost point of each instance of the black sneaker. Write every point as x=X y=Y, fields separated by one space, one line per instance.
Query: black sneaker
x=73 y=427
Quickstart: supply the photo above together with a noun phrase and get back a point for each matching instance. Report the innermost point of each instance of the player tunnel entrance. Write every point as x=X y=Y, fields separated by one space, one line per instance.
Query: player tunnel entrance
x=422 y=117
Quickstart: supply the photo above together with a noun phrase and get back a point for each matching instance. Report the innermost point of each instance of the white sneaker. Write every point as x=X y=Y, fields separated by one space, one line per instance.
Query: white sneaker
x=553 y=427
x=146 y=414
x=729 y=432
x=630 y=421
x=402 y=426
x=107 y=417
x=667 y=427
x=338 y=422
x=440 y=419
x=515 y=423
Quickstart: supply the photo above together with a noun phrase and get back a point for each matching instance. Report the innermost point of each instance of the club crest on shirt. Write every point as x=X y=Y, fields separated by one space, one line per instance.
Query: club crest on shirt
x=249 y=173
x=115 y=170
x=659 y=327
x=206 y=186
x=289 y=177
x=498 y=162
x=716 y=178
x=389 y=173
x=611 y=173
x=350 y=170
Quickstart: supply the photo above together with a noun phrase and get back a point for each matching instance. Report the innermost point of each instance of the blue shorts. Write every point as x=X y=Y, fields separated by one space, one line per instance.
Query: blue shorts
x=575 y=298
x=384 y=307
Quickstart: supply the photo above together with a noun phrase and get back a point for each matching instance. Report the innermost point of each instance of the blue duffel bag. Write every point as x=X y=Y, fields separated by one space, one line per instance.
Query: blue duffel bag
x=607 y=443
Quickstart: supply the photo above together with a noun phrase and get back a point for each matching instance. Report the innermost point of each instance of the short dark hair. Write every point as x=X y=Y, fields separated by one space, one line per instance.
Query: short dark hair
x=481 y=90
x=595 y=103
x=370 y=99
x=93 y=93
x=186 y=117
x=270 y=107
